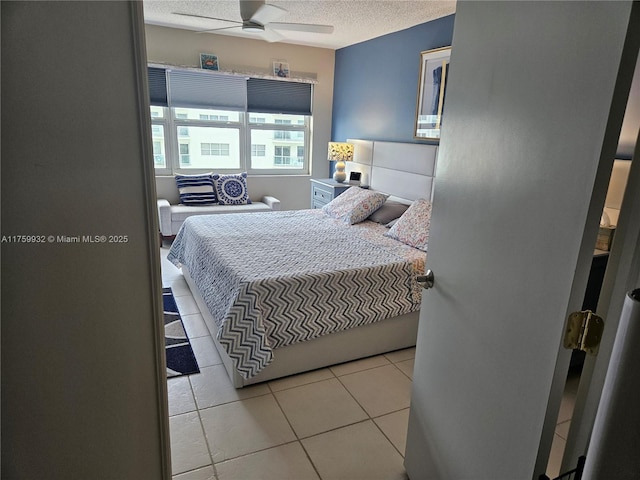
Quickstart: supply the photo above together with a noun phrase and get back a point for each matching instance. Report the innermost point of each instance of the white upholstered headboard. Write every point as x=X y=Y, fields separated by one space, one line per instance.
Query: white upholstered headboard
x=403 y=170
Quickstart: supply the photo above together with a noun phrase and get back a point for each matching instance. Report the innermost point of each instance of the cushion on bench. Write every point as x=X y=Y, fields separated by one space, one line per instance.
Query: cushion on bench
x=171 y=217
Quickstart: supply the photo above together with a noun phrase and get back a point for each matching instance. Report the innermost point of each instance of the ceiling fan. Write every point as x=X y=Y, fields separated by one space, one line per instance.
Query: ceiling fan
x=259 y=17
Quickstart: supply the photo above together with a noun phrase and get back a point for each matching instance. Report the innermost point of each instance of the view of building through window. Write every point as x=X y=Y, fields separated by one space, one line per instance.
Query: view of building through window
x=190 y=139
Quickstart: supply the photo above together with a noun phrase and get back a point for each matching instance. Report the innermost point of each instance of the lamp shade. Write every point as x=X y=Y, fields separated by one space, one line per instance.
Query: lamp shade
x=340 y=152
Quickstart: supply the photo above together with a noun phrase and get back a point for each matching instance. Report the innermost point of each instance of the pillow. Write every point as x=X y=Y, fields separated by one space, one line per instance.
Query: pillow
x=196 y=189
x=388 y=212
x=354 y=205
x=231 y=189
x=412 y=228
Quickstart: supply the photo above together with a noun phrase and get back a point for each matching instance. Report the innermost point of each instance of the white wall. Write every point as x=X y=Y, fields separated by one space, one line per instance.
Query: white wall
x=83 y=382
x=183 y=47
x=631 y=122
x=617 y=185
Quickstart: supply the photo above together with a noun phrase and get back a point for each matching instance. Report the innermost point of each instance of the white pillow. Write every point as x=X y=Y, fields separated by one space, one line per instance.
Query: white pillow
x=354 y=205
x=412 y=228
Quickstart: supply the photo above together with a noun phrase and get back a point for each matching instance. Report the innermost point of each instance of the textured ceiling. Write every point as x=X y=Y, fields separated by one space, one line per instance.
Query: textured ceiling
x=353 y=21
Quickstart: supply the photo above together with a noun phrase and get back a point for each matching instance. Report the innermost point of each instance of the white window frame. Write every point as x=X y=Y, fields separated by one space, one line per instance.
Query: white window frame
x=170 y=122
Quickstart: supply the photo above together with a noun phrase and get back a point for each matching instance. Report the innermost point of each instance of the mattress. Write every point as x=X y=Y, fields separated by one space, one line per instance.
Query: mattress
x=273 y=279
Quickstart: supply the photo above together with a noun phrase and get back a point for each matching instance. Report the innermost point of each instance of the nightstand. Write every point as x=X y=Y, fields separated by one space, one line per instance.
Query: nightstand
x=325 y=190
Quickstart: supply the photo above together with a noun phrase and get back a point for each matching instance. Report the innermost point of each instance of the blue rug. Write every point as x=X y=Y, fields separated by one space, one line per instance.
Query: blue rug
x=180 y=357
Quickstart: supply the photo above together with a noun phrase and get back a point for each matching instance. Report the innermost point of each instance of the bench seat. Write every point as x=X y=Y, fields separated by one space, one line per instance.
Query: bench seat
x=171 y=216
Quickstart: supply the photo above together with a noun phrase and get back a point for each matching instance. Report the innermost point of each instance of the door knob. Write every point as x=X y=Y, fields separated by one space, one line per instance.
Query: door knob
x=426 y=280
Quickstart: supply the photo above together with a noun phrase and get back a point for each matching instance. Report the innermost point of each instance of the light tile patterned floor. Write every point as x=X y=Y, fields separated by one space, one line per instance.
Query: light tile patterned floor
x=344 y=422
x=348 y=421
x=564 y=421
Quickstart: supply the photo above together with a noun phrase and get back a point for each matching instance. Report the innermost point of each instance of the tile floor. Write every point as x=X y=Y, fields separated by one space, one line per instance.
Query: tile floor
x=564 y=420
x=348 y=421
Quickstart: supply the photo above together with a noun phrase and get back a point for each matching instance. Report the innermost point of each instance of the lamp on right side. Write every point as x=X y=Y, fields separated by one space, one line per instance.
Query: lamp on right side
x=340 y=152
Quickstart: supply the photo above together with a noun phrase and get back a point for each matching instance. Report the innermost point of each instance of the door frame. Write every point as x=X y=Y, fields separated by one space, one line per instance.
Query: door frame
x=622 y=275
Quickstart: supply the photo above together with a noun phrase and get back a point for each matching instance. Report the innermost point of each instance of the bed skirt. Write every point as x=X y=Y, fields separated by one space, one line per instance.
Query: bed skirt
x=359 y=342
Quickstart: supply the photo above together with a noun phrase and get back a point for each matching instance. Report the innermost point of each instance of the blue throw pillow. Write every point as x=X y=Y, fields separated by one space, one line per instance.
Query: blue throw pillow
x=231 y=189
x=196 y=189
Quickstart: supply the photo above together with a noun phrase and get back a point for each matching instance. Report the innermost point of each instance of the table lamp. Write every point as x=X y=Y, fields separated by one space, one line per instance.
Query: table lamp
x=340 y=152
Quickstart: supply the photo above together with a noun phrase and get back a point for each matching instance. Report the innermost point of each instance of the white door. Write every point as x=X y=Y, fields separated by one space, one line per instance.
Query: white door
x=532 y=117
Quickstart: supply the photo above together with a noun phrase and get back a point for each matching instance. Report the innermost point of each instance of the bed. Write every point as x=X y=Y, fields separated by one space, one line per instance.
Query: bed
x=287 y=292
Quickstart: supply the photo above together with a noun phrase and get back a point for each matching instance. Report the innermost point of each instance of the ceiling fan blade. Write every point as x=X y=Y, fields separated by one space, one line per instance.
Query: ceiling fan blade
x=216 y=29
x=302 y=27
x=271 y=36
x=267 y=35
x=267 y=14
x=203 y=16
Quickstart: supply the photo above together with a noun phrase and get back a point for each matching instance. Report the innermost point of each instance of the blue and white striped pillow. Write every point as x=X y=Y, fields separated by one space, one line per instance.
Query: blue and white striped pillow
x=196 y=189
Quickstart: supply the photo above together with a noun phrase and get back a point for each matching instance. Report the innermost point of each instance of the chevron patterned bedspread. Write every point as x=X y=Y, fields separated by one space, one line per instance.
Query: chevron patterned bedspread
x=272 y=279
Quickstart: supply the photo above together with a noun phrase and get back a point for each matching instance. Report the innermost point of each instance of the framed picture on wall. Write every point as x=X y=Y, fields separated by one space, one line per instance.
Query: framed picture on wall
x=432 y=86
x=281 y=69
x=209 y=61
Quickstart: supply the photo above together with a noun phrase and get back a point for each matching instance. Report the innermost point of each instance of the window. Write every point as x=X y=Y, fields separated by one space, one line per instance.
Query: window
x=258 y=150
x=157 y=136
x=281 y=135
x=205 y=121
x=184 y=154
x=206 y=115
x=157 y=113
x=211 y=143
x=282 y=156
x=215 y=149
x=206 y=140
x=218 y=118
x=158 y=156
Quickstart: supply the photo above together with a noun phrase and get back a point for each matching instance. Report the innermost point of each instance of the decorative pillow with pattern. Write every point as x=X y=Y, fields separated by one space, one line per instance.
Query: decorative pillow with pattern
x=354 y=205
x=196 y=189
x=231 y=189
x=412 y=228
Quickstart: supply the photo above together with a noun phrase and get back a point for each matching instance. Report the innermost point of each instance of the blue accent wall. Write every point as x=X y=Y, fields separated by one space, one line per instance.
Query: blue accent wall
x=376 y=83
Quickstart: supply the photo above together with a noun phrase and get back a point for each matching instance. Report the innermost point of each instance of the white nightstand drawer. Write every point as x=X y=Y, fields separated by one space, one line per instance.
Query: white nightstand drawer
x=323 y=191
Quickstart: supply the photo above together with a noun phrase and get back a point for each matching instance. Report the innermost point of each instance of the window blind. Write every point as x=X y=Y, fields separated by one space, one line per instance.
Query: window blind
x=175 y=87
x=192 y=89
x=273 y=96
x=157 y=86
